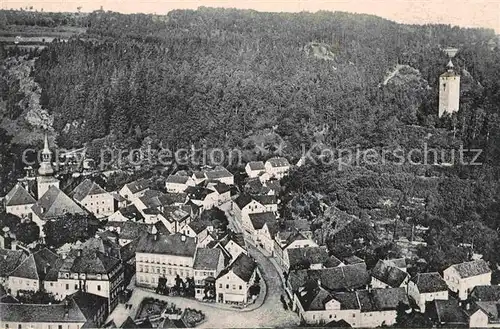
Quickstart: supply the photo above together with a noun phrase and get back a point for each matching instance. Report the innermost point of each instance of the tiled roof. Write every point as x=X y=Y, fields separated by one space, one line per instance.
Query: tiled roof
x=218 y=172
x=206 y=259
x=389 y=299
x=449 y=312
x=151 y=198
x=390 y=275
x=308 y=255
x=340 y=278
x=131 y=212
x=429 y=282
x=278 y=162
x=27 y=269
x=237 y=238
x=315 y=299
x=46 y=313
x=486 y=293
x=332 y=261
x=242 y=200
x=473 y=268
x=177 y=179
x=266 y=199
x=169 y=199
x=221 y=188
x=300 y=225
x=18 y=196
x=85 y=188
x=197 y=192
x=9 y=260
x=54 y=203
x=258 y=220
x=353 y=260
x=175 y=244
x=397 y=262
x=89 y=304
x=198 y=226
x=45 y=260
x=256 y=165
x=138 y=185
x=128 y=230
x=243 y=267
x=89 y=261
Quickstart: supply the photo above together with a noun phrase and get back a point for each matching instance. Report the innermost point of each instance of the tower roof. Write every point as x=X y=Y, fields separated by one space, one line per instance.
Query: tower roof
x=46 y=165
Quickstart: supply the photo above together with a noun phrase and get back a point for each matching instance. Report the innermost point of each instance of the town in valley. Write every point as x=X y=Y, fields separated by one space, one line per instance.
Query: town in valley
x=261 y=233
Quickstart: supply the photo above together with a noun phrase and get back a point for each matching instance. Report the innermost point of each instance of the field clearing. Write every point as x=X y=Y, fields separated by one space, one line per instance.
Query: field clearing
x=24 y=31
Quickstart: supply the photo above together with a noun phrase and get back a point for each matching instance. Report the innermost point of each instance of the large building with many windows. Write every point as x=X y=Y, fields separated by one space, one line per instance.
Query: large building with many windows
x=164 y=256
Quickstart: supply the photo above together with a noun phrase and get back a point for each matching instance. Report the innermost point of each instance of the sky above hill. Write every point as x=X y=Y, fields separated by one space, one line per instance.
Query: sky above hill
x=467 y=13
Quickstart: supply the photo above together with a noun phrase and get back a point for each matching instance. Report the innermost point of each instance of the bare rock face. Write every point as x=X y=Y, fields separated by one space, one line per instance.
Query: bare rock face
x=319 y=50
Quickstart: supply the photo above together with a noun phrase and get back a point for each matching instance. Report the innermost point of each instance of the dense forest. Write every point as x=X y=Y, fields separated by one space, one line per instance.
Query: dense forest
x=233 y=78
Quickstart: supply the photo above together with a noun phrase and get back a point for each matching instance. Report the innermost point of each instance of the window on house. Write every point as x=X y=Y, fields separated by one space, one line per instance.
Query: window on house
x=227 y=286
x=67 y=286
x=76 y=287
x=220 y=285
x=241 y=287
x=98 y=287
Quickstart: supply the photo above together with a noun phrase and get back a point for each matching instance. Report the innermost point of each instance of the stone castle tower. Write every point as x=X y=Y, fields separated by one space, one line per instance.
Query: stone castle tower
x=449 y=91
x=45 y=177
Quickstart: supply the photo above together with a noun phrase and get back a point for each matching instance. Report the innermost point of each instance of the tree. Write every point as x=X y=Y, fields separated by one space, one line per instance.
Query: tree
x=69 y=228
x=35 y=297
x=27 y=232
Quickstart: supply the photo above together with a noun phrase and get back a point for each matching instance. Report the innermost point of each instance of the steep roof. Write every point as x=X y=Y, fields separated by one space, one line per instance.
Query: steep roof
x=18 y=196
x=486 y=293
x=278 y=162
x=198 y=226
x=390 y=275
x=266 y=199
x=242 y=200
x=169 y=199
x=44 y=261
x=47 y=313
x=353 y=260
x=89 y=304
x=429 y=282
x=256 y=165
x=243 y=267
x=9 y=260
x=89 y=261
x=198 y=192
x=258 y=220
x=389 y=299
x=473 y=268
x=308 y=255
x=449 y=312
x=177 y=179
x=334 y=279
x=54 y=203
x=218 y=172
x=27 y=269
x=207 y=259
x=138 y=185
x=85 y=188
x=128 y=230
x=315 y=299
x=175 y=244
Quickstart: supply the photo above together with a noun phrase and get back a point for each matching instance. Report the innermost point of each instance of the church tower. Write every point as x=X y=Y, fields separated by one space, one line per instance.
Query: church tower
x=449 y=91
x=45 y=177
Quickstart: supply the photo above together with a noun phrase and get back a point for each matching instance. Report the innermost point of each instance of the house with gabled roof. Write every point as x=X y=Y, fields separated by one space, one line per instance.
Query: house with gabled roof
x=94 y=198
x=290 y=240
x=264 y=228
x=255 y=168
x=208 y=263
x=53 y=205
x=178 y=183
x=427 y=287
x=89 y=270
x=277 y=167
x=243 y=206
x=24 y=277
x=306 y=258
x=164 y=256
x=9 y=261
x=386 y=275
x=361 y=308
x=462 y=278
x=135 y=189
x=234 y=282
x=128 y=213
x=19 y=202
x=485 y=293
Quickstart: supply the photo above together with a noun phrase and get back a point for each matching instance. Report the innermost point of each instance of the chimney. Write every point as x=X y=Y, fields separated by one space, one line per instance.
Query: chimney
x=467 y=306
x=79 y=252
x=155 y=236
x=13 y=245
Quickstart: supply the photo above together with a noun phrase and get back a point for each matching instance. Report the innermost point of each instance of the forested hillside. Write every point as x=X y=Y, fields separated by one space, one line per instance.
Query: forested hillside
x=224 y=78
